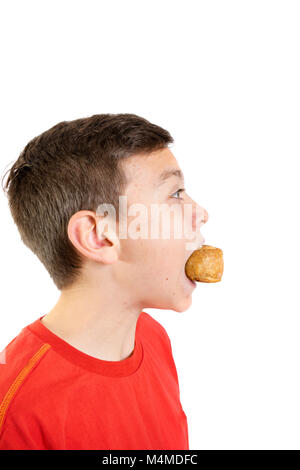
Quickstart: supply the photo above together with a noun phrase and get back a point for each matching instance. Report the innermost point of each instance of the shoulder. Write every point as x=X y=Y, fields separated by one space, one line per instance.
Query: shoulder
x=21 y=358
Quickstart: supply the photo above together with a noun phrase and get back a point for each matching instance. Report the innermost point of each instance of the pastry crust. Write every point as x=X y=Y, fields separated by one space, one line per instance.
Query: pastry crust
x=205 y=265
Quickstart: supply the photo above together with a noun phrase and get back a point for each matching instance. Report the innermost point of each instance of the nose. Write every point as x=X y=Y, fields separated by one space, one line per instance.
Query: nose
x=203 y=215
x=206 y=216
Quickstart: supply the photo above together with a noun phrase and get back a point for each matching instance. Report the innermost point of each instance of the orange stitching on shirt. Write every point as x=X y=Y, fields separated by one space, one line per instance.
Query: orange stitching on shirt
x=19 y=379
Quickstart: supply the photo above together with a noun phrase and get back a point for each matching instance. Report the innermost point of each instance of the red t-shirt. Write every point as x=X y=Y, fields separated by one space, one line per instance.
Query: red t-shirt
x=53 y=396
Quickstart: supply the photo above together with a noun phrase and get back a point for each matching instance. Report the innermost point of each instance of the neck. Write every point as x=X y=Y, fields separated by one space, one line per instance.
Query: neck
x=95 y=320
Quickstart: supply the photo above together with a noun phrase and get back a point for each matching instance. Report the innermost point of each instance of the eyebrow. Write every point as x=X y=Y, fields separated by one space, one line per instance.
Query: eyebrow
x=168 y=173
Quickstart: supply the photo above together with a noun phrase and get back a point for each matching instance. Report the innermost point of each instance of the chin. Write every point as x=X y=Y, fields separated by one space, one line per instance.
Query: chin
x=183 y=305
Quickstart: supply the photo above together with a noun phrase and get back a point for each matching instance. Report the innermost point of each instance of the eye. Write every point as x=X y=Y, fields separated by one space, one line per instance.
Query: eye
x=177 y=192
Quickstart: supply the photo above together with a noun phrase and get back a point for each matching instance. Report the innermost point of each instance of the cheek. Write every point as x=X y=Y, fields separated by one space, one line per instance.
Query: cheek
x=165 y=260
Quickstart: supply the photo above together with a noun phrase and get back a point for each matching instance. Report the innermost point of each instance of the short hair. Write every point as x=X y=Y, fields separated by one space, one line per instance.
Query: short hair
x=75 y=165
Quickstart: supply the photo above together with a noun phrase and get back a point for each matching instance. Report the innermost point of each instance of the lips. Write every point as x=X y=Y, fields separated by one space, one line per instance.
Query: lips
x=193 y=283
x=188 y=279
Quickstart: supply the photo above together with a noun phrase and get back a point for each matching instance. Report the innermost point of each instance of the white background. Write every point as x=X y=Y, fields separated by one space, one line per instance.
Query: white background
x=223 y=77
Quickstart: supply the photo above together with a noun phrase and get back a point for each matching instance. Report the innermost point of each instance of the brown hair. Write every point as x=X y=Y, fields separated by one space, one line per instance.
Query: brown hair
x=73 y=166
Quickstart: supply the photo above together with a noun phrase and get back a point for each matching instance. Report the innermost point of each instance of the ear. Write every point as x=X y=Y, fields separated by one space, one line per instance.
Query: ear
x=92 y=243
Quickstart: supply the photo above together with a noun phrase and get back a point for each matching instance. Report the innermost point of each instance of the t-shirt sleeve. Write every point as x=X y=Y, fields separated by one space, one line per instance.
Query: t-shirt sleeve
x=17 y=436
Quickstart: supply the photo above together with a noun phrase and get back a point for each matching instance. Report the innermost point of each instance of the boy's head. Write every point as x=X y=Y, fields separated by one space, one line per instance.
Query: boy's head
x=63 y=176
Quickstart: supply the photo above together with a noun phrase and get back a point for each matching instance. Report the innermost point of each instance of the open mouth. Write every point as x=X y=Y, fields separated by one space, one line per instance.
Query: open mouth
x=188 y=279
x=191 y=282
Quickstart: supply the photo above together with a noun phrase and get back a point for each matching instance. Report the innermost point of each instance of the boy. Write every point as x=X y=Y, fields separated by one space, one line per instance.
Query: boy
x=97 y=372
